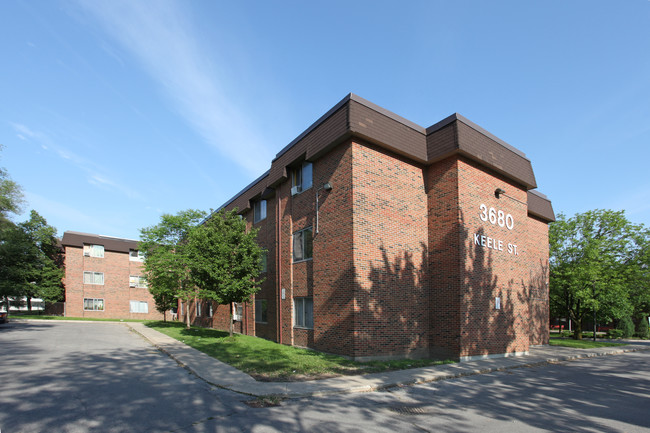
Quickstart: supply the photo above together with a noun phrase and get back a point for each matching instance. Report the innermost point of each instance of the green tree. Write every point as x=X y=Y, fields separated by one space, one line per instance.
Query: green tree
x=17 y=252
x=11 y=195
x=593 y=260
x=46 y=269
x=227 y=260
x=168 y=258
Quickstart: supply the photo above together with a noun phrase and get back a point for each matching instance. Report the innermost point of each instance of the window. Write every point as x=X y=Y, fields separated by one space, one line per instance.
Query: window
x=260 y=311
x=238 y=311
x=136 y=255
x=259 y=210
x=304 y=312
x=139 y=307
x=138 y=281
x=94 y=251
x=91 y=304
x=198 y=308
x=93 y=277
x=210 y=309
x=302 y=245
x=301 y=178
x=264 y=261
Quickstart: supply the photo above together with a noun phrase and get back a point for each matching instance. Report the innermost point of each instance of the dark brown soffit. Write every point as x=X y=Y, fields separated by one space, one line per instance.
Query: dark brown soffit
x=78 y=239
x=540 y=206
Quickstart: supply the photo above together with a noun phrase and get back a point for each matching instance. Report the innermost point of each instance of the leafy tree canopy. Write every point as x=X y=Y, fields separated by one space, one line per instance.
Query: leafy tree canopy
x=227 y=263
x=594 y=259
x=168 y=258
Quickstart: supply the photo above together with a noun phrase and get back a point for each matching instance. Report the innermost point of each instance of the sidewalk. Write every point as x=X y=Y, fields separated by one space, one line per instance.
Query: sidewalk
x=223 y=375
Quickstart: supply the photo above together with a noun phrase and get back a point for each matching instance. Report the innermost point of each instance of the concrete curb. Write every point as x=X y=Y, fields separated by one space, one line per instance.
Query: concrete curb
x=219 y=374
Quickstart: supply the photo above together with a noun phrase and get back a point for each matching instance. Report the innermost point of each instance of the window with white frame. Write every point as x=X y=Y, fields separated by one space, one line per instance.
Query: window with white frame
x=137 y=281
x=260 y=311
x=301 y=178
x=264 y=261
x=238 y=311
x=136 y=255
x=210 y=312
x=303 y=312
x=94 y=250
x=302 y=245
x=259 y=210
x=93 y=277
x=93 y=304
x=198 y=307
x=139 y=307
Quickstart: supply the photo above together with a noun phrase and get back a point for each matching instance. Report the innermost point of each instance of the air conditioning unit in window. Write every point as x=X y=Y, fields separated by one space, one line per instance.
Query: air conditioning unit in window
x=131 y=284
x=295 y=190
x=236 y=317
x=86 y=253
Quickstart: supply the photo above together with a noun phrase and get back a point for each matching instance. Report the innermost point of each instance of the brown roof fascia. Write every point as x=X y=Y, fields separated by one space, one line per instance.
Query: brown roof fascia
x=354 y=116
x=456 y=134
x=540 y=206
x=78 y=239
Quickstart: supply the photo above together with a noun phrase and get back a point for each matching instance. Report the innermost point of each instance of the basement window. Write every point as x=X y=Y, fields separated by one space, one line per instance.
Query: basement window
x=303 y=312
x=92 y=304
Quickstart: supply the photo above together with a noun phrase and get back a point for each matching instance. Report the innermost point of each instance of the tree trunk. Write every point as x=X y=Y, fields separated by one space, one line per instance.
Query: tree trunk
x=7 y=306
x=187 y=314
x=164 y=316
x=29 y=303
x=577 y=333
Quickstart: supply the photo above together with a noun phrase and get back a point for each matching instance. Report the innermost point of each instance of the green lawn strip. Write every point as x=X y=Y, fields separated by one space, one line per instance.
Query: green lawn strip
x=90 y=319
x=266 y=360
x=580 y=344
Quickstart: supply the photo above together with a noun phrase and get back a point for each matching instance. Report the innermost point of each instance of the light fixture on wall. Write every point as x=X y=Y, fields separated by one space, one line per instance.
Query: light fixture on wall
x=498 y=192
x=327 y=187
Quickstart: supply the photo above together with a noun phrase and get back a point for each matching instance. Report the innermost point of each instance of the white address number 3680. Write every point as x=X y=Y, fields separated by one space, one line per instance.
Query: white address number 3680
x=496 y=217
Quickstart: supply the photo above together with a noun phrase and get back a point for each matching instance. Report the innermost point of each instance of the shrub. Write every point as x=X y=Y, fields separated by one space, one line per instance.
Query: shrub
x=615 y=333
x=642 y=330
x=627 y=326
x=566 y=334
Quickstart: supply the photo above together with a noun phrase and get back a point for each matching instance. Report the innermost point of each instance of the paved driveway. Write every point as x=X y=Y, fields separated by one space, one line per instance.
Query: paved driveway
x=82 y=377
x=100 y=377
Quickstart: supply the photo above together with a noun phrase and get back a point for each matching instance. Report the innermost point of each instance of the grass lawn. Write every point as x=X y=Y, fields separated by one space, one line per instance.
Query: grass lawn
x=579 y=344
x=90 y=319
x=269 y=361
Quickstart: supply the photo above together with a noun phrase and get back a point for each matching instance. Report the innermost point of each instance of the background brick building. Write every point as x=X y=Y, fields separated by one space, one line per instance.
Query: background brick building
x=386 y=239
x=104 y=278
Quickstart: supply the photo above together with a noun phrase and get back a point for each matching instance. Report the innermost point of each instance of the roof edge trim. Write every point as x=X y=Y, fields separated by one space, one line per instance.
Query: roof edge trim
x=449 y=119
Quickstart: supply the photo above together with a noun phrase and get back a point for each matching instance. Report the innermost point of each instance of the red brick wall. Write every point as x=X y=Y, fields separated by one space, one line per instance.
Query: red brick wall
x=445 y=234
x=115 y=291
x=390 y=249
x=502 y=267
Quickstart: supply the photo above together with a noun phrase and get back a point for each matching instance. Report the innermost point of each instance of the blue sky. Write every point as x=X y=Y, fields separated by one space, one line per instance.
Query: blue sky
x=114 y=112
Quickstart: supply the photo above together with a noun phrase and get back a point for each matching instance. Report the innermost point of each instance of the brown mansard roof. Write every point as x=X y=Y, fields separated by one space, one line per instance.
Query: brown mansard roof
x=78 y=239
x=353 y=116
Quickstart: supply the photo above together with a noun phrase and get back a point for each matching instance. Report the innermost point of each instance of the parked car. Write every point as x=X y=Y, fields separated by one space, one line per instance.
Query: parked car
x=3 y=317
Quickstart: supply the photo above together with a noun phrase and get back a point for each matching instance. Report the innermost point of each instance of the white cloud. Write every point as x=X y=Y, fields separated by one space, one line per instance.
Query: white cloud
x=96 y=175
x=160 y=35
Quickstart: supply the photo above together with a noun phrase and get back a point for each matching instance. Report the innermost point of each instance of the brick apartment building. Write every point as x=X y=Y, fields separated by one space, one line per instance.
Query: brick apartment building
x=104 y=278
x=386 y=240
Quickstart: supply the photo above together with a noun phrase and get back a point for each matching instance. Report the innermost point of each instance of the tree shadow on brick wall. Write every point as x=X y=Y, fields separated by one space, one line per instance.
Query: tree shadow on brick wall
x=384 y=317
x=539 y=303
x=486 y=328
